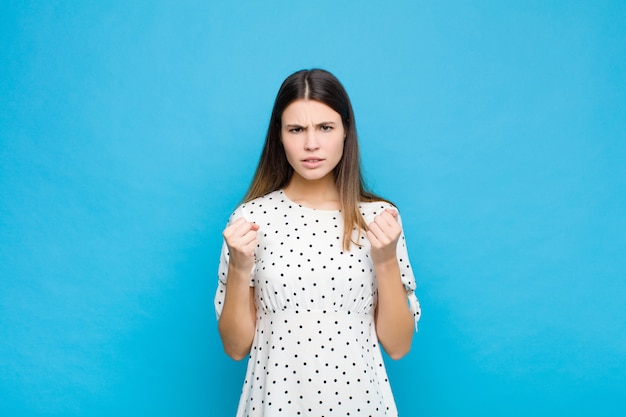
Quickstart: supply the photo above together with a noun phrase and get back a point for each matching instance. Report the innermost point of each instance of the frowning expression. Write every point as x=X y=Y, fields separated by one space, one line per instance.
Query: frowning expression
x=312 y=134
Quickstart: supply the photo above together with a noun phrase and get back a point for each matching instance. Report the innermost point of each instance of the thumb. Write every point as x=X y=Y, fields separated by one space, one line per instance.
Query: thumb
x=394 y=213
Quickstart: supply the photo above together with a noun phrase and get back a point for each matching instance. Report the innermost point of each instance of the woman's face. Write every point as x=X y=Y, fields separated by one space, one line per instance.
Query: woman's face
x=312 y=134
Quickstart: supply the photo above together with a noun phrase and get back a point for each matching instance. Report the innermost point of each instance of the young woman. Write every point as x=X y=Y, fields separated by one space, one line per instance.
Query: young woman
x=314 y=271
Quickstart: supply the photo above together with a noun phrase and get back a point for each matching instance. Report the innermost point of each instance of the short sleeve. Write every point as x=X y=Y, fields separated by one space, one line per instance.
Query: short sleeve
x=407 y=276
x=222 y=270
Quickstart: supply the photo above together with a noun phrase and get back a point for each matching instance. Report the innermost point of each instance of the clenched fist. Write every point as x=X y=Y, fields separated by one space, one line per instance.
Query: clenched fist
x=241 y=239
x=383 y=236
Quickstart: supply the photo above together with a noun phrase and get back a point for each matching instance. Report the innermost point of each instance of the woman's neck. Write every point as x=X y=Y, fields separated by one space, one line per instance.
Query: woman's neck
x=321 y=194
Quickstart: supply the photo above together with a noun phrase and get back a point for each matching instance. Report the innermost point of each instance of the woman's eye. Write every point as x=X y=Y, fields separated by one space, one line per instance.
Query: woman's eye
x=326 y=128
x=295 y=130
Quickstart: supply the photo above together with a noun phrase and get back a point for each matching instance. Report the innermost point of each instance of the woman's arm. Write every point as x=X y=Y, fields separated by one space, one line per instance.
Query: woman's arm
x=394 y=321
x=238 y=318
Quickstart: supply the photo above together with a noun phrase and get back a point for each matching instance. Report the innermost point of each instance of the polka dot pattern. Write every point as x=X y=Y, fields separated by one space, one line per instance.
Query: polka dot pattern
x=315 y=350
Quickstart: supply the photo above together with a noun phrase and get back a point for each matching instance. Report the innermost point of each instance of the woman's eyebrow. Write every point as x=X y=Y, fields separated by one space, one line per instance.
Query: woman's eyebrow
x=304 y=126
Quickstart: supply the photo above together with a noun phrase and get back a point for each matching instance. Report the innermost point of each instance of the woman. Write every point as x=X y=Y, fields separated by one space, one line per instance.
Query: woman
x=314 y=271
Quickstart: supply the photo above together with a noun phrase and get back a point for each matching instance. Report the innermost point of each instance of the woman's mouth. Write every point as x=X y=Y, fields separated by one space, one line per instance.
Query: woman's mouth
x=312 y=162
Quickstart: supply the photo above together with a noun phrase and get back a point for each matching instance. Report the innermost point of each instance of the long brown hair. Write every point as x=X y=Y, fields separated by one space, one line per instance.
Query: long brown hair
x=274 y=171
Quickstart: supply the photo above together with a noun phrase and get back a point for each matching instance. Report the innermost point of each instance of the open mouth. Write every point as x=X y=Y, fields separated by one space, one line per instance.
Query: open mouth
x=312 y=162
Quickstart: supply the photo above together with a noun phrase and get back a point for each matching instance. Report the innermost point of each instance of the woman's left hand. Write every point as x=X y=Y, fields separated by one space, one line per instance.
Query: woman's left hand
x=383 y=236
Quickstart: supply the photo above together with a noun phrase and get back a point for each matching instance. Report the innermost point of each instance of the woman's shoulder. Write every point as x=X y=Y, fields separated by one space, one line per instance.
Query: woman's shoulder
x=249 y=208
x=269 y=198
x=376 y=205
x=370 y=209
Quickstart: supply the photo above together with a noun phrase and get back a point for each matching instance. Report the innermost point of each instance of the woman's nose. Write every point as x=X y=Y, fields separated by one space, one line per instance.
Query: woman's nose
x=311 y=143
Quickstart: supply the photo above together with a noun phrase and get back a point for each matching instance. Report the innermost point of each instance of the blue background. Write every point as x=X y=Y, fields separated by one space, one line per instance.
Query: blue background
x=130 y=130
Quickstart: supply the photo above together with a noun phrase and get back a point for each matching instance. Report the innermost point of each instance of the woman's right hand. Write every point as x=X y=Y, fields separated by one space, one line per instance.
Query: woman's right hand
x=238 y=319
x=241 y=240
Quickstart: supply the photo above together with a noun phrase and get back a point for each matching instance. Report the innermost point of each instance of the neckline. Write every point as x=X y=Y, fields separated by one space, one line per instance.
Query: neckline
x=284 y=195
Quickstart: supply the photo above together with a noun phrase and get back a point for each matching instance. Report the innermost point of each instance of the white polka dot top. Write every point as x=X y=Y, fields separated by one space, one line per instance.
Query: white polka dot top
x=315 y=352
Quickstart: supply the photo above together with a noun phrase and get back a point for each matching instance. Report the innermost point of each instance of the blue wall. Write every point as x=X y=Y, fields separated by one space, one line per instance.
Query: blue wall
x=129 y=131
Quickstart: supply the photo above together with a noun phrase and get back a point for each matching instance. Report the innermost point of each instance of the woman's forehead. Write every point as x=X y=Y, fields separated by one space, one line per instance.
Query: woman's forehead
x=305 y=111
